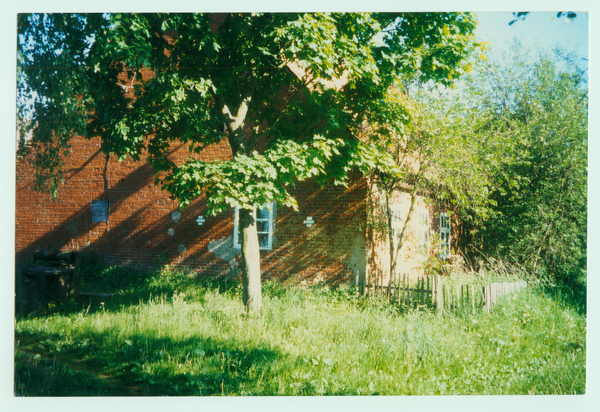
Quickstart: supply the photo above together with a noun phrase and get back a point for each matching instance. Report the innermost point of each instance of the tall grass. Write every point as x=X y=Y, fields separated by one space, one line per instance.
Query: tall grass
x=184 y=336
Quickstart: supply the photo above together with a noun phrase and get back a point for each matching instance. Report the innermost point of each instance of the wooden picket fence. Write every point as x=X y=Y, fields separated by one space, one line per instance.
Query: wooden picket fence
x=429 y=291
x=493 y=291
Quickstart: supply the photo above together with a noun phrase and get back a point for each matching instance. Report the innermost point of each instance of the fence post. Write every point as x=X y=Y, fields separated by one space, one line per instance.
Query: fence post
x=485 y=297
x=405 y=293
x=406 y=297
x=439 y=294
x=485 y=300
x=417 y=292
x=427 y=301
x=400 y=288
x=373 y=284
x=410 y=292
x=389 y=287
x=433 y=287
x=401 y=294
x=445 y=297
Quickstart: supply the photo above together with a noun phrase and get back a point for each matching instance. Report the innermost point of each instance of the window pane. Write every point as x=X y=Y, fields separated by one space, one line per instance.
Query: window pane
x=263 y=240
x=263 y=213
x=262 y=226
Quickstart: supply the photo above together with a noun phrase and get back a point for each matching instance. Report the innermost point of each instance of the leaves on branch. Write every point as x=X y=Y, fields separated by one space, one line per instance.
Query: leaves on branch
x=141 y=82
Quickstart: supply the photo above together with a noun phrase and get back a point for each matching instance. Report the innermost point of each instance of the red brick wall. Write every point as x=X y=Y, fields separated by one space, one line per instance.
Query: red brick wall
x=334 y=248
x=137 y=232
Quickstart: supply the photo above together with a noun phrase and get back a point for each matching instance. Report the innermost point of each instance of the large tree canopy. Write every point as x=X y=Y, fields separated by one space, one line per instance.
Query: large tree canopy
x=292 y=89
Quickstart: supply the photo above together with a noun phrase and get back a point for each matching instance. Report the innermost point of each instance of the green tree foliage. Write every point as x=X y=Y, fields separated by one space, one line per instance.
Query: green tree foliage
x=83 y=74
x=530 y=114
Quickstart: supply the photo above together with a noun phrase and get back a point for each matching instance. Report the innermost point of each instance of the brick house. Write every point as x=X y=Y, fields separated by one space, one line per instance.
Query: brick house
x=113 y=209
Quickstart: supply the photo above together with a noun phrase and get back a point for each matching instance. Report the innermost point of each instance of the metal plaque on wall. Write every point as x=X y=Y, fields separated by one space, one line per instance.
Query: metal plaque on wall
x=99 y=211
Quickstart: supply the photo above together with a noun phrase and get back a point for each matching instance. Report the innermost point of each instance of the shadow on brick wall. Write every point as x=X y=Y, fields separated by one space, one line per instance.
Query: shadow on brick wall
x=142 y=232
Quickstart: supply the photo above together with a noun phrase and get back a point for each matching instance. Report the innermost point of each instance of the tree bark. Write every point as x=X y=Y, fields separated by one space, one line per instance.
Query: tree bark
x=251 y=282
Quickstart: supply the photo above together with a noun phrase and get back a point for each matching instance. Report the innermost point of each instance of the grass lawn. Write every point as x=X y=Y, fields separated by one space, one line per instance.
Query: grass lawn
x=168 y=333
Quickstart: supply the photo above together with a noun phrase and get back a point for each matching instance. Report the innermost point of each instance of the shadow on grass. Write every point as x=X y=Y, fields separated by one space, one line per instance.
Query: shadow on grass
x=52 y=375
x=130 y=287
x=93 y=364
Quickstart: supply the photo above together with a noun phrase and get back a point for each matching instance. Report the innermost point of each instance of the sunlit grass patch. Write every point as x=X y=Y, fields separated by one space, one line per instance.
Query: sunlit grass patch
x=194 y=339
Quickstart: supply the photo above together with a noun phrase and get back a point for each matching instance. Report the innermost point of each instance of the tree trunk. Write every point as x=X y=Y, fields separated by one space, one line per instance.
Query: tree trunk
x=252 y=295
x=391 y=233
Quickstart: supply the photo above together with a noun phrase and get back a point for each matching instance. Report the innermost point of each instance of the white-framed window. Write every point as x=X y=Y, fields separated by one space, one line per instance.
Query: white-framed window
x=444 y=236
x=264 y=227
x=423 y=232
